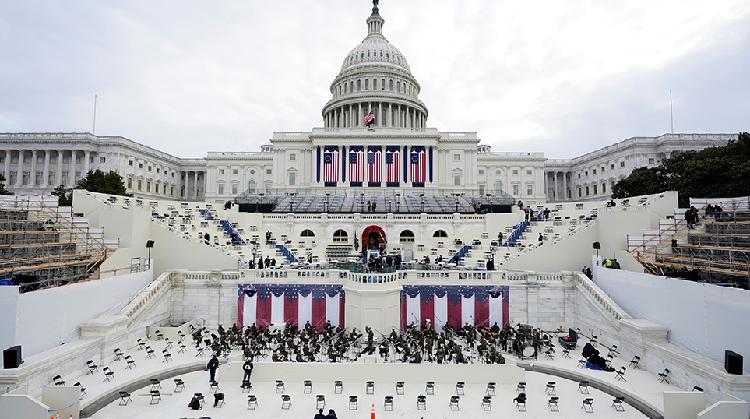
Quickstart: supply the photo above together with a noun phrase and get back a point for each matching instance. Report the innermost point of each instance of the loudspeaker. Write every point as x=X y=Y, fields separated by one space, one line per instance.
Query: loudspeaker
x=674 y=243
x=597 y=246
x=12 y=357
x=733 y=362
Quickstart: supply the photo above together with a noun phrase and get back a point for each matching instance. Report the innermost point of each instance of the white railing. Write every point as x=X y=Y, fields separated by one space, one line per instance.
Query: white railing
x=152 y=291
x=599 y=296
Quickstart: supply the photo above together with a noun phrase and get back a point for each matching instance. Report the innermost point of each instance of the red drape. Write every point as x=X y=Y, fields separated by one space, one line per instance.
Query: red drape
x=291 y=308
x=263 y=311
x=342 y=306
x=481 y=312
x=403 y=311
x=506 y=307
x=319 y=312
x=426 y=308
x=240 y=310
x=454 y=313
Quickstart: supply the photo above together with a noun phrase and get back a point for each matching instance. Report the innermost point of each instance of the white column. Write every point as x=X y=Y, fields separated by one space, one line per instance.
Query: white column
x=380 y=114
x=359 y=115
x=195 y=185
x=19 y=169
x=58 y=180
x=86 y=162
x=45 y=173
x=6 y=169
x=32 y=172
x=389 y=123
x=72 y=172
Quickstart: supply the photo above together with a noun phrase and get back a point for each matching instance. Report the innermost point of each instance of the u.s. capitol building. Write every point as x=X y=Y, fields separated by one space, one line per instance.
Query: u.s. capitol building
x=374 y=139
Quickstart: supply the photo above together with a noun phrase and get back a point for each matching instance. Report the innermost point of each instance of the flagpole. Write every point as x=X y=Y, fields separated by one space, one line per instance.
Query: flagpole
x=671 y=114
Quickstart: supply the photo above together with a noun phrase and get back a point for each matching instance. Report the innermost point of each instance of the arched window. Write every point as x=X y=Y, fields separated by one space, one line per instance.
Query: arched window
x=359 y=85
x=391 y=85
x=440 y=233
x=351 y=86
x=307 y=233
x=406 y=236
x=398 y=86
x=340 y=236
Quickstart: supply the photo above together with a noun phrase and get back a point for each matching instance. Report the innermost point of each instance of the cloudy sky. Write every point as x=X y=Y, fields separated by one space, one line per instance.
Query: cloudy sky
x=559 y=76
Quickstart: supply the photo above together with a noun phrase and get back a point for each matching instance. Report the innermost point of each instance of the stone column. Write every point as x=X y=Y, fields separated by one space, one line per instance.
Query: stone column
x=19 y=169
x=45 y=173
x=32 y=171
x=58 y=180
x=389 y=117
x=86 y=162
x=6 y=169
x=72 y=172
x=380 y=114
x=359 y=115
x=195 y=185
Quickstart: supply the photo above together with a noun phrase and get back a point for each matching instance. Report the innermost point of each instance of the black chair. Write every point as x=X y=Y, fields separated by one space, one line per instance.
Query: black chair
x=430 y=387
x=213 y=386
x=617 y=404
x=582 y=363
x=307 y=388
x=252 y=402
x=155 y=397
x=200 y=350
x=338 y=387
x=118 y=354
x=421 y=402
x=320 y=401
x=370 y=387
x=83 y=389
x=664 y=376
x=620 y=374
x=218 y=399
x=167 y=356
x=182 y=348
x=588 y=405
x=521 y=387
x=149 y=352
x=109 y=375
x=280 y=387
x=124 y=398
x=400 y=387
x=520 y=402
x=460 y=388
x=696 y=388
x=454 y=403
x=490 y=389
x=388 y=404
x=58 y=380
x=179 y=385
x=550 y=389
x=246 y=385
x=634 y=363
x=583 y=387
x=487 y=403
x=200 y=398
x=352 y=402
x=169 y=344
x=141 y=344
x=566 y=353
x=131 y=362
x=548 y=354
x=92 y=367
x=286 y=401
x=552 y=404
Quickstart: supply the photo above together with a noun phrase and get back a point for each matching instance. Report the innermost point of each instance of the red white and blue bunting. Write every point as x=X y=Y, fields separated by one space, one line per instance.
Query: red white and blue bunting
x=457 y=305
x=297 y=304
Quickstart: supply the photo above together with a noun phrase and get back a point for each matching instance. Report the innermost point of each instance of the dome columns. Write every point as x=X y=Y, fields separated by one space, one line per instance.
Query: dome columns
x=387 y=115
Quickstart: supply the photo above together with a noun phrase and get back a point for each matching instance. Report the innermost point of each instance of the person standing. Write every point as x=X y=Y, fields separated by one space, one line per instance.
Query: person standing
x=320 y=415
x=212 y=366
x=247 y=367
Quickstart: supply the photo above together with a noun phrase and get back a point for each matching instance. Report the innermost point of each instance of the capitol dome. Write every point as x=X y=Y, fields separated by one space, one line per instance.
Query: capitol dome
x=375 y=78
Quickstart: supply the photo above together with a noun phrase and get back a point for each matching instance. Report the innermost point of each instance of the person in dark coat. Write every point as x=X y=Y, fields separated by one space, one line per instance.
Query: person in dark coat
x=331 y=414
x=320 y=415
x=247 y=367
x=212 y=366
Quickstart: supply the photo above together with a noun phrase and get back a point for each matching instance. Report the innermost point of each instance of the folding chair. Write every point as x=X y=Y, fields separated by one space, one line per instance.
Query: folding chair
x=486 y=403
x=338 y=387
x=167 y=356
x=83 y=389
x=130 y=361
x=454 y=403
x=149 y=352
x=370 y=387
x=460 y=388
x=552 y=404
x=108 y=374
x=521 y=387
x=155 y=397
x=252 y=402
x=634 y=363
x=520 y=401
x=620 y=374
x=617 y=404
x=430 y=387
x=179 y=385
x=399 y=387
x=124 y=398
x=320 y=401
x=550 y=389
x=490 y=388
x=213 y=386
x=58 y=380
x=548 y=354
x=280 y=387
x=141 y=344
x=200 y=398
x=588 y=405
x=421 y=402
x=155 y=384
x=307 y=389
x=286 y=401
x=352 y=402
x=583 y=387
x=182 y=348
x=582 y=363
x=246 y=385
x=388 y=404
x=200 y=351
x=664 y=376
x=218 y=399
x=118 y=354
x=92 y=367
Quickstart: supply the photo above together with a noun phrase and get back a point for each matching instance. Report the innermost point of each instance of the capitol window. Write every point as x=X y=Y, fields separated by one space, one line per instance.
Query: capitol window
x=102 y=159
x=612 y=166
x=456 y=157
x=140 y=165
x=367 y=84
x=359 y=85
x=481 y=171
x=292 y=156
x=390 y=85
x=268 y=171
x=528 y=172
x=221 y=171
x=457 y=180
x=340 y=236
x=221 y=189
x=235 y=171
x=234 y=189
x=529 y=190
x=594 y=171
x=622 y=164
x=515 y=190
x=382 y=84
x=515 y=171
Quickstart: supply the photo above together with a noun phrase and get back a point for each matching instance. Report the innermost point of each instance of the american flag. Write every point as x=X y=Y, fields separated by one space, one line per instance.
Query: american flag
x=370 y=118
x=374 y=165
x=392 y=165
x=418 y=166
x=331 y=166
x=356 y=165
